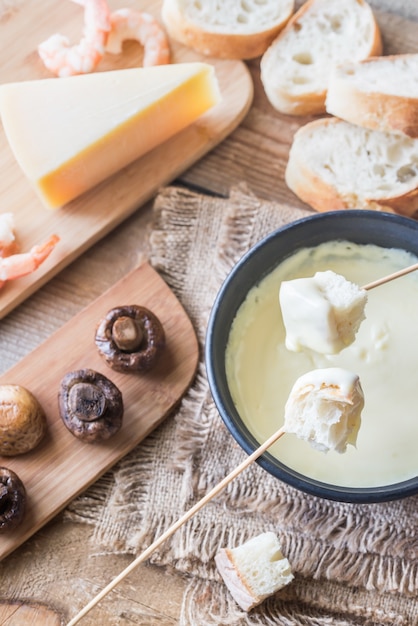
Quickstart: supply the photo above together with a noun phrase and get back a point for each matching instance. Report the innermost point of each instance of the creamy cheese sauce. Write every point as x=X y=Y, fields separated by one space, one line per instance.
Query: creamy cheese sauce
x=261 y=371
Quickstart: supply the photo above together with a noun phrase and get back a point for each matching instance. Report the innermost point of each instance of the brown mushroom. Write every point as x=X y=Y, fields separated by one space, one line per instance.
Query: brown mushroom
x=90 y=405
x=22 y=420
x=12 y=499
x=130 y=338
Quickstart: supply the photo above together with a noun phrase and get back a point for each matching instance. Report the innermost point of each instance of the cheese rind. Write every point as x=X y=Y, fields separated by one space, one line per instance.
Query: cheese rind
x=69 y=134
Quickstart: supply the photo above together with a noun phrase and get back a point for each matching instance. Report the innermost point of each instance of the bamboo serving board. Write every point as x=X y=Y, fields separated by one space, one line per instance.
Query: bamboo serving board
x=23 y=25
x=62 y=466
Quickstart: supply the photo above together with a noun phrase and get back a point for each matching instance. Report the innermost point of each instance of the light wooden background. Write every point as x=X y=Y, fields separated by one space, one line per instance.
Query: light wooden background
x=60 y=565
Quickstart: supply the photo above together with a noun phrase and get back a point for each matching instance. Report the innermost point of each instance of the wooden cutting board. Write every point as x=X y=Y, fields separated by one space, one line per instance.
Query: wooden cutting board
x=62 y=466
x=23 y=25
x=20 y=614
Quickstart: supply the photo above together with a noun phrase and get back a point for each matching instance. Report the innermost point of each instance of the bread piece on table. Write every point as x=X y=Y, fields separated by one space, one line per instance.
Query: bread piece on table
x=324 y=408
x=380 y=93
x=230 y=29
x=336 y=165
x=295 y=69
x=254 y=570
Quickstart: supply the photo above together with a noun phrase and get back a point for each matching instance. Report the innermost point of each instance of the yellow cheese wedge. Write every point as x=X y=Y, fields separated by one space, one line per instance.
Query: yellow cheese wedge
x=69 y=134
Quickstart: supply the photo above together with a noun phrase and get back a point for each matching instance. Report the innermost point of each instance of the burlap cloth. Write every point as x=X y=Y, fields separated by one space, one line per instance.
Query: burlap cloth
x=353 y=564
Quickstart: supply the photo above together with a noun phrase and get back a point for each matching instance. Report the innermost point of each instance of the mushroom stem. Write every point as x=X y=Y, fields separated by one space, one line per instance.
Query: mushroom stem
x=130 y=338
x=90 y=405
x=127 y=333
x=87 y=401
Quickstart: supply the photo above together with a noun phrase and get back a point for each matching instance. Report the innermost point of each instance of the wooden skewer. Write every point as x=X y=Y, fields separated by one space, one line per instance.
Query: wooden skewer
x=386 y=279
x=182 y=520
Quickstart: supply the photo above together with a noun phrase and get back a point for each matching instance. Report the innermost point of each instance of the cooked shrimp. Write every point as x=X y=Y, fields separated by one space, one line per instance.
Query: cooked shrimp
x=130 y=24
x=65 y=60
x=8 y=243
x=18 y=265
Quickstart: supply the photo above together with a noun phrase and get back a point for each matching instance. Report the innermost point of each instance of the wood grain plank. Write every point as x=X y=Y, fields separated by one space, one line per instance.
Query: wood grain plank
x=61 y=466
x=64 y=556
x=20 y=614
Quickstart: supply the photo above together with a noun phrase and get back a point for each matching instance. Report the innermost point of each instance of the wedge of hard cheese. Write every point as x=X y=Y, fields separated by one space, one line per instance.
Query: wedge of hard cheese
x=69 y=134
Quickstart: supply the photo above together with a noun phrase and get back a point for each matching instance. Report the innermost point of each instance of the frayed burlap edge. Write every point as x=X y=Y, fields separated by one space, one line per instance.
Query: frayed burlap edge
x=300 y=604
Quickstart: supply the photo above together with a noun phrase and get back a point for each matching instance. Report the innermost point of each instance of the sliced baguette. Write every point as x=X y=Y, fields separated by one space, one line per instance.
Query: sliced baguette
x=336 y=165
x=379 y=93
x=254 y=570
x=229 y=29
x=295 y=69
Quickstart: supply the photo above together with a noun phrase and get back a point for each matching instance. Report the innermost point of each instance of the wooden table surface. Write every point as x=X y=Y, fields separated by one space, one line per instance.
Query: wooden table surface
x=53 y=565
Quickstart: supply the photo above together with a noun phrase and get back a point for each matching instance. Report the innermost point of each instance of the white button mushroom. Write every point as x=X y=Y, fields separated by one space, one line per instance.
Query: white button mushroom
x=22 y=420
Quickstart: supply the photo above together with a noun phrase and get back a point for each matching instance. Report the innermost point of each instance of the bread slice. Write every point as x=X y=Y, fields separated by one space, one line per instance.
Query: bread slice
x=324 y=408
x=379 y=93
x=254 y=570
x=322 y=312
x=230 y=29
x=336 y=165
x=296 y=67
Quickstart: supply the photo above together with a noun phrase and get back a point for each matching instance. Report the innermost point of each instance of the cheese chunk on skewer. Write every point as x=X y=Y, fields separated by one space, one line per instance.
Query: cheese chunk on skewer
x=322 y=313
x=324 y=408
x=254 y=570
x=70 y=134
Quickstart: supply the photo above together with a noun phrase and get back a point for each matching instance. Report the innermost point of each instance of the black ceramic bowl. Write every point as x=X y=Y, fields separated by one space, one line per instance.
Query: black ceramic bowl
x=357 y=226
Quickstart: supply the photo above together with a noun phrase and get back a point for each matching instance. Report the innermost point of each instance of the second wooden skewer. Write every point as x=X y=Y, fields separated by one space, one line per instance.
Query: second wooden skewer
x=182 y=520
x=389 y=277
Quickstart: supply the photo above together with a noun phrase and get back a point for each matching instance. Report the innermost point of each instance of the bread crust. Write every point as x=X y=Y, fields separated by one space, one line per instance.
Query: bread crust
x=224 y=45
x=235 y=582
x=305 y=103
x=255 y=570
x=371 y=108
x=323 y=196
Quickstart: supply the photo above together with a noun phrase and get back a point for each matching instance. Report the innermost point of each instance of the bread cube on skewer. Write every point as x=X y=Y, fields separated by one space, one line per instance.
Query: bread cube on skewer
x=324 y=408
x=322 y=313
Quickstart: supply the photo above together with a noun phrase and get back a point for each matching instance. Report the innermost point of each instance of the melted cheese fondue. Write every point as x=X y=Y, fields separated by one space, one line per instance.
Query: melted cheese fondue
x=261 y=371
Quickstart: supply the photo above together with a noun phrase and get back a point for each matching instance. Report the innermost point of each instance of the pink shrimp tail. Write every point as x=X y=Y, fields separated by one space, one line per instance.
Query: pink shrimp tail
x=41 y=252
x=19 y=265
